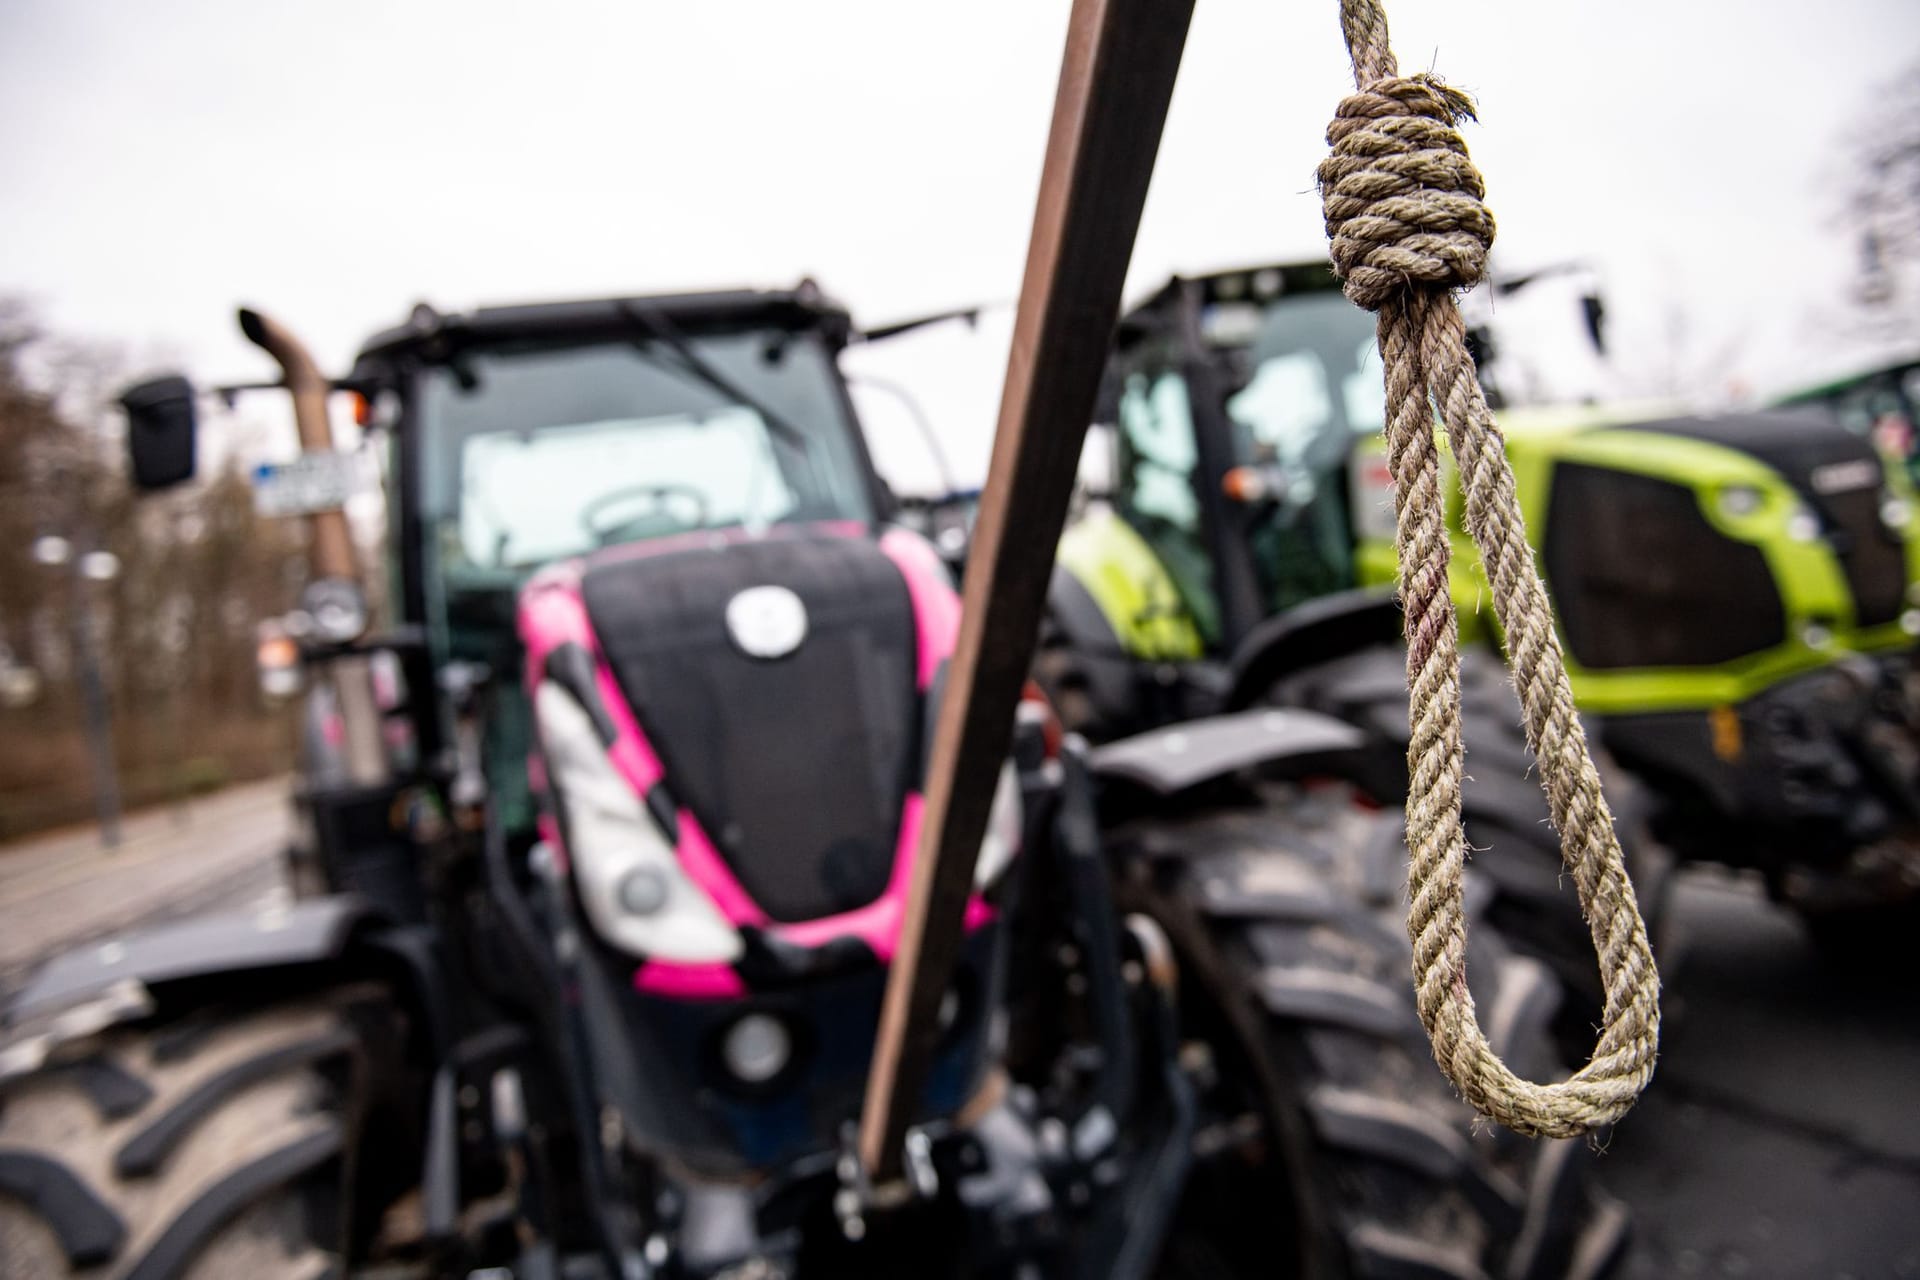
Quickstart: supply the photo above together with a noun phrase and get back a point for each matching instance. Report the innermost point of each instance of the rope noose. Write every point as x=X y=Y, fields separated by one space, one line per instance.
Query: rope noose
x=1404 y=213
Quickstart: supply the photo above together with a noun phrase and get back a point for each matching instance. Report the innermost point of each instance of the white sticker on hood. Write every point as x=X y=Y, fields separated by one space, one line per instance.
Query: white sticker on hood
x=767 y=622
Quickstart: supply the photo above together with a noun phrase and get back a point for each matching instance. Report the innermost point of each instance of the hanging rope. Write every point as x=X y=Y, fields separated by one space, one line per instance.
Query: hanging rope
x=1404 y=213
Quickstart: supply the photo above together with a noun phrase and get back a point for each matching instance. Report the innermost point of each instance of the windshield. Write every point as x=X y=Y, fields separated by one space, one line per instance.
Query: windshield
x=1305 y=381
x=1311 y=381
x=535 y=455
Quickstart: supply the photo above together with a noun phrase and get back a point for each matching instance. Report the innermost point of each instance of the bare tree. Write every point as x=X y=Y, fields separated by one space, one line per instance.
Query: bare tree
x=1880 y=206
x=197 y=570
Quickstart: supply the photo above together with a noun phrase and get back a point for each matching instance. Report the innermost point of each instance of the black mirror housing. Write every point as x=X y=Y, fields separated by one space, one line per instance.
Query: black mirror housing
x=161 y=425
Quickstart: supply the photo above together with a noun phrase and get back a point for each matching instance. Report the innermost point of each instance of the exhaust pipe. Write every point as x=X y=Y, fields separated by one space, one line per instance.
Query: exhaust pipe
x=329 y=542
x=332 y=546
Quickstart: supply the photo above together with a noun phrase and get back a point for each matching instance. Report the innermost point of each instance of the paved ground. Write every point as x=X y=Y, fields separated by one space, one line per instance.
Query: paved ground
x=220 y=851
x=1781 y=1137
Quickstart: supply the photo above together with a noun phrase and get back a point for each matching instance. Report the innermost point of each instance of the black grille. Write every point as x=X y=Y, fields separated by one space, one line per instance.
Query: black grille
x=797 y=767
x=1642 y=580
x=1873 y=557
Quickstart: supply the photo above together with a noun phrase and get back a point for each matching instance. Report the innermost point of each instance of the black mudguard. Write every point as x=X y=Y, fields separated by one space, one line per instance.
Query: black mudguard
x=1330 y=627
x=311 y=931
x=1171 y=760
x=326 y=937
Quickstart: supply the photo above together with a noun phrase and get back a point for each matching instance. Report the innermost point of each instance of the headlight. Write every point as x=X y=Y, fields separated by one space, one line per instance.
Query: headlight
x=1738 y=501
x=642 y=891
x=1803 y=526
x=1895 y=513
x=636 y=896
x=756 y=1048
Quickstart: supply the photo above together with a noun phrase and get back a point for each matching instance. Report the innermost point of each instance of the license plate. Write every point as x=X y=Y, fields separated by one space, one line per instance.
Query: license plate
x=310 y=484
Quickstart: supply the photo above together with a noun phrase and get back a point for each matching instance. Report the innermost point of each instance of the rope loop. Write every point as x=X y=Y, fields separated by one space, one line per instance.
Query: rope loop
x=1401 y=198
x=1404 y=214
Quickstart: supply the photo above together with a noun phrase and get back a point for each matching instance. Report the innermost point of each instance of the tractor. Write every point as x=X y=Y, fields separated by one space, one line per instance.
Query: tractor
x=1737 y=598
x=1881 y=403
x=606 y=837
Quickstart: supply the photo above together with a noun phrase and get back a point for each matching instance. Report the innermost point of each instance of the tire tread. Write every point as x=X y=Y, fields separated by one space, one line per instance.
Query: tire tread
x=1412 y=1183
x=240 y=1118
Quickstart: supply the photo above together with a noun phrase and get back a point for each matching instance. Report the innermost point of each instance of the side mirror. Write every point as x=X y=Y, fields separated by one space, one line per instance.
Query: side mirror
x=161 y=424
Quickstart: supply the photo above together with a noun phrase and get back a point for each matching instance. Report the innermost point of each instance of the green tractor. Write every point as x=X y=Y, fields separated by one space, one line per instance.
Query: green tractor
x=1881 y=403
x=1735 y=594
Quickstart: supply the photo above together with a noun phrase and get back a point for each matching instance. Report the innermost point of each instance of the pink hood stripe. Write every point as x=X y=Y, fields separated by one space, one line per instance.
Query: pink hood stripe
x=936 y=607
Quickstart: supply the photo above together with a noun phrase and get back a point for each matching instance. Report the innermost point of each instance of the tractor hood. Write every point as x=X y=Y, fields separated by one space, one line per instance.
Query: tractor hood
x=1698 y=560
x=776 y=680
x=1837 y=478
x=765 y=703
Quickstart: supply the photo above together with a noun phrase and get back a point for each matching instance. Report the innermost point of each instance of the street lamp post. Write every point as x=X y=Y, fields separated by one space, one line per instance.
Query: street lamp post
x=93 y=566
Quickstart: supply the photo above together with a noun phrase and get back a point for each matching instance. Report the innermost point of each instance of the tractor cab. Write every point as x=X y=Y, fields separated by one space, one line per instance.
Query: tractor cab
x=1239 y=405
x=1236 y=401
x=526 y=436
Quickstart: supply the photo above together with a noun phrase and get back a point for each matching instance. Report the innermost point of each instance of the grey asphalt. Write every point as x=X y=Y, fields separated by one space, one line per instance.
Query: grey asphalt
x=1781 y=1136
x=66 y=887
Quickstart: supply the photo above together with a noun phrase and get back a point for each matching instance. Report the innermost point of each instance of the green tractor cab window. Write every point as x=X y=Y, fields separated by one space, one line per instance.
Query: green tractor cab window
x=1156 y=493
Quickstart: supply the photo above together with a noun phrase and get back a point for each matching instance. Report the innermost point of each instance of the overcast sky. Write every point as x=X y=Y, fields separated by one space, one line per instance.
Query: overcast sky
x=335 y=162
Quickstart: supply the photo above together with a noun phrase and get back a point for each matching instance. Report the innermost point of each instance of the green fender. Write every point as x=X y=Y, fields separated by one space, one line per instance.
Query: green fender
x=1132 y=587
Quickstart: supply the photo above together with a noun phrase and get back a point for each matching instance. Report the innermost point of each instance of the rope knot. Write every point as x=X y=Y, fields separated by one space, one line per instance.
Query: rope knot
x=1402 y=200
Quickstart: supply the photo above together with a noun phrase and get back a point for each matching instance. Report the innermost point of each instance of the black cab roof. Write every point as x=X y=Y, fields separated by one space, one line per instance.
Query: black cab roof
x=431 y=336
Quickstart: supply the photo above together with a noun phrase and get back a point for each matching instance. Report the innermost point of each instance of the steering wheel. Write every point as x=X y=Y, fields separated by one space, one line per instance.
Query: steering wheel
x=657 y=519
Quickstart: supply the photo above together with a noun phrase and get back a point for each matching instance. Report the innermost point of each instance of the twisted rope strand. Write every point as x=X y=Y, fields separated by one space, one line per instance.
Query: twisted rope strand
x=1407 y=226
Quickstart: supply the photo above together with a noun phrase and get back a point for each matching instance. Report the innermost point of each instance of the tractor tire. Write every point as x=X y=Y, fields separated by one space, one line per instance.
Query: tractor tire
x=1865 y=943
x=1288 y=919
x=207 y=1147
x=1504 y=813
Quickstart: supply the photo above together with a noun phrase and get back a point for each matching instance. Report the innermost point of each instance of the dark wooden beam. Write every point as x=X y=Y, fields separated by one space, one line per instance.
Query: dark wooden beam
x=1115 y=84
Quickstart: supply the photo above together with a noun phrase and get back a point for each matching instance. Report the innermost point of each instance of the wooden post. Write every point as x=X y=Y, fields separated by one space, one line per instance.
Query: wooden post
x=1115 y=84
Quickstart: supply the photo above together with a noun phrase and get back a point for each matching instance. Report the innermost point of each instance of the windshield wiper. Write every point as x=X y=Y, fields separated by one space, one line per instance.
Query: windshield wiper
x=692 y=362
